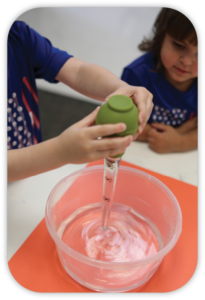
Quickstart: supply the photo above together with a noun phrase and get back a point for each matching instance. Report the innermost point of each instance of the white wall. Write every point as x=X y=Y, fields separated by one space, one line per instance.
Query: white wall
x=107 y=36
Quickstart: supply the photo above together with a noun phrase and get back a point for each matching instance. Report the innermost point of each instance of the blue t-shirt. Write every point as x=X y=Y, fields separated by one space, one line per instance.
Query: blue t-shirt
x=30 y=56
x=171 y=106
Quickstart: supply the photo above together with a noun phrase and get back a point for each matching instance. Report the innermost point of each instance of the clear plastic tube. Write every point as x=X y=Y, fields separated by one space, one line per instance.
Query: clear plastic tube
x=111 y=166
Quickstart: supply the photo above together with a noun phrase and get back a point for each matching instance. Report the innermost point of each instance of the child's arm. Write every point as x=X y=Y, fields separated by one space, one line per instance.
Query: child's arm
x=77 y=144
x=169 y=139
x=98 y=83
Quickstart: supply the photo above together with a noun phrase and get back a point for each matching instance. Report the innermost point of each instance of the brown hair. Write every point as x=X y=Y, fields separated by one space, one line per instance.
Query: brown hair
x=170 y=21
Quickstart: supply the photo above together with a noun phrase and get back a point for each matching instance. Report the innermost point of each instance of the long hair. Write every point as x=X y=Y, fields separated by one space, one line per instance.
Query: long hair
x=172 y=22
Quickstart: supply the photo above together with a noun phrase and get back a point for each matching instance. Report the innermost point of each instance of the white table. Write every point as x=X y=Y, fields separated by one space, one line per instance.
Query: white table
x=27 y=198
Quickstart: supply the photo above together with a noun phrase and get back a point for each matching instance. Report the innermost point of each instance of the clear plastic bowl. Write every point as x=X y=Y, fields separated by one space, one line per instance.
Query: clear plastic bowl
x=136 y=189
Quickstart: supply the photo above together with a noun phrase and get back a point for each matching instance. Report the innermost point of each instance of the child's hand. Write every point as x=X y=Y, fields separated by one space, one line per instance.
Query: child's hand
x=143 y=100
x=163 y=138
x=80 y=144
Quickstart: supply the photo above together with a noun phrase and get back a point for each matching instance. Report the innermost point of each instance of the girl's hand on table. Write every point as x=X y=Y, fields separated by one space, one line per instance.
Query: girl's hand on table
x=166 y=139
x=163 y=138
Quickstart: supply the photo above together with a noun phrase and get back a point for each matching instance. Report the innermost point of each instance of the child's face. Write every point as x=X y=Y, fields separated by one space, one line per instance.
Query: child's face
x=180 y=61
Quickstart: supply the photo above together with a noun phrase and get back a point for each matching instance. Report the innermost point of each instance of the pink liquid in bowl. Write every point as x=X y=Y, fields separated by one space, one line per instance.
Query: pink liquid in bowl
x=128 y=238
x=125 y=254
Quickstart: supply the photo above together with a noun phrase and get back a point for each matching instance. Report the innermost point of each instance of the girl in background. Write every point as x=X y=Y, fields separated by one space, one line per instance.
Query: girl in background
x=169 y=71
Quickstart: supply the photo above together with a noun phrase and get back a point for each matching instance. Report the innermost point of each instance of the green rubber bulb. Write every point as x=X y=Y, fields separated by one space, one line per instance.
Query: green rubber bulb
x=119 y=109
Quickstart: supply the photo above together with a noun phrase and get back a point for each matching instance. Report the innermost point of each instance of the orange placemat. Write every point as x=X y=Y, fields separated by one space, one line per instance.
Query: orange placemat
x=36 y=266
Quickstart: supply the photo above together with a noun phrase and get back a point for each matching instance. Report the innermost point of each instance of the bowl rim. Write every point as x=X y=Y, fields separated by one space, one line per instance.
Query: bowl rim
x=117 y=265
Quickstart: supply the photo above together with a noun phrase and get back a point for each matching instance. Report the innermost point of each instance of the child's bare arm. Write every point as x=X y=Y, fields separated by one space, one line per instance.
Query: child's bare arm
x=99 y=83
x=33 y=160
x=77 y=144
x=89 y=79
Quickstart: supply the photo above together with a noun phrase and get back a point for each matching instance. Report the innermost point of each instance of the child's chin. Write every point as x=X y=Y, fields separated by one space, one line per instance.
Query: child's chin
x=180 y=77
